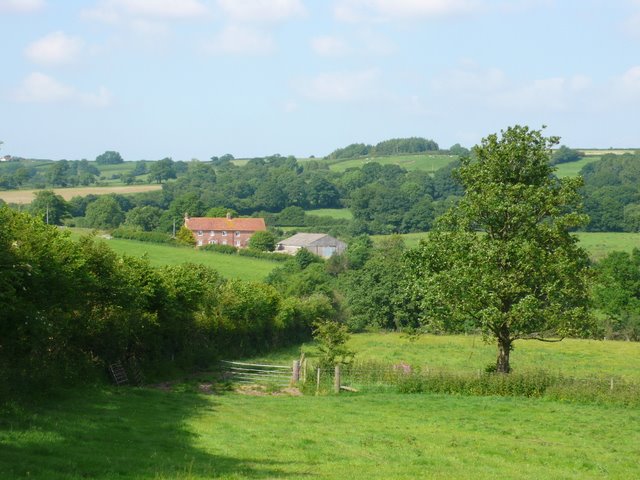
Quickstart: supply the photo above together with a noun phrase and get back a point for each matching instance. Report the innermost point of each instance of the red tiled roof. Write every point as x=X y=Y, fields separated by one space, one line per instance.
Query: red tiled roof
x=213 y=223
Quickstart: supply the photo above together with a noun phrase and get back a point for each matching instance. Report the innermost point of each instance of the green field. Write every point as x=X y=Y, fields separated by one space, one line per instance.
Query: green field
x=598 y=244
x=427 y=162
x=466 y=354
x=572 y=169
x=151 y=433
x=339 y=213
x=229 y=266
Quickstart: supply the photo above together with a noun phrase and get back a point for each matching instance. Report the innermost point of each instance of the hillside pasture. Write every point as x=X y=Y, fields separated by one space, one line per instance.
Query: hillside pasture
x=26 y=196
x=427 y=162
x=466 y=354
x=229 y=266
x=173 y=432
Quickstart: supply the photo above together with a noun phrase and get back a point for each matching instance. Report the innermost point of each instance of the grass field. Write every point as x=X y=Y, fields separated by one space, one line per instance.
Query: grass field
x=598 y=244
x=466 y=354
x=26 y=196
x=427 y=162
x=339 y=213
x=154 y=434
x=229 y=266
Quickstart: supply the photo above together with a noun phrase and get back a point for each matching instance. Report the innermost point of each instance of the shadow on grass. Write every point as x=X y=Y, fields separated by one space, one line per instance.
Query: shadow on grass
x=104 y=434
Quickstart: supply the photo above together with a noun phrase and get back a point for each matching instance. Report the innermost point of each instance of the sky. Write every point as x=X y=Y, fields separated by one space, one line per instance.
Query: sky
x=195 y=78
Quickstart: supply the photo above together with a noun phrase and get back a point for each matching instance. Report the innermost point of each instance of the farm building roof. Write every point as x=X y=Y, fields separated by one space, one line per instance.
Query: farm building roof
x=307 y=239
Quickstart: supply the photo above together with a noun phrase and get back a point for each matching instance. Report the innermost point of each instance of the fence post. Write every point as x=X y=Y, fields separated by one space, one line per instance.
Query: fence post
x=336 y=380
x=318 y=381
x=295 y=376
x=304 y=371
x=611 y=386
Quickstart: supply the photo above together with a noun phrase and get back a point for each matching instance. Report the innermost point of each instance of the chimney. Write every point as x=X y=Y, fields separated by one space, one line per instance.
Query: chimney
x=228 y=215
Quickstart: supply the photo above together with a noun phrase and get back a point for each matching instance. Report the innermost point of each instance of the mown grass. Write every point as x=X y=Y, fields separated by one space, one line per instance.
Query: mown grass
x=153 y=434
x=572 y=169
x=229 y=266
x=598 y=244
x=427 y=162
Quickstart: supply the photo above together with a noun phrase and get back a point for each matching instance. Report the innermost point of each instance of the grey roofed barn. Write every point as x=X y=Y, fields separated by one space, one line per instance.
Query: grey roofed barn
x=319 y=244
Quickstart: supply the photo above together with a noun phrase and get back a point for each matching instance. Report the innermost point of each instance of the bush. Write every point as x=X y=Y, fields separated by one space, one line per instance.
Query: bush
x=214 y=247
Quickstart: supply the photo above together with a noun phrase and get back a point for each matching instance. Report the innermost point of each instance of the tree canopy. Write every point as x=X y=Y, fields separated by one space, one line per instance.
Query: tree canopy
x=502 y=260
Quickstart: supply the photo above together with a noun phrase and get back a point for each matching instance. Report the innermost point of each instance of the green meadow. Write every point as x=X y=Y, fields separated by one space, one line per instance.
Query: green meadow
x=339 y=213
x=427 y=162
x=177 y=433
x=229 y=266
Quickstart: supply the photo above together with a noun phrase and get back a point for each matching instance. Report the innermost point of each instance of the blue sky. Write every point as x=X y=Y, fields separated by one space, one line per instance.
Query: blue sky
x=196 y=78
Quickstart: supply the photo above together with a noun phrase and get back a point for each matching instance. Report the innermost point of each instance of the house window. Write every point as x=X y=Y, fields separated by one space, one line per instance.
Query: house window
x=212 y=242
x=237 y=234
x=199 y=233
x=224 y=233
x=212 y=233
x=237 y=243
x=224 y=242
x=199 y=243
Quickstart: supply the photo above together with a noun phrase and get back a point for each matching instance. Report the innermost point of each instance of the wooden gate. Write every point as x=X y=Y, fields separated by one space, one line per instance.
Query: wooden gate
x=251 y=373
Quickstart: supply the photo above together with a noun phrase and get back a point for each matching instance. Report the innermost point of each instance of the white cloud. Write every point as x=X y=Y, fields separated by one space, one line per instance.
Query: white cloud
x=261 y=10
x=41 y=88
x=329 y=46
x=238 y=40
x=21 y=6
x=491 y=88
x=385 y=10
x=57 y=48
x=111 y=11
x=341 y=86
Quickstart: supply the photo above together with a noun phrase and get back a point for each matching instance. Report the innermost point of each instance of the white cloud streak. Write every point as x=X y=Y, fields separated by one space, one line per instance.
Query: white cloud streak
x=240 y=40
x=341 y=86
x=387 y=10
x=55 y=49
x=261 y=11
x=21 y=6
x=111 y=11
x=40 y=88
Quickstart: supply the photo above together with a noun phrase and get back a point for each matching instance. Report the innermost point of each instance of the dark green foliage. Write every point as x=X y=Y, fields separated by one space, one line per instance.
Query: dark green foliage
x=145 y=218
x=351 y=151
x=262 y=241
x=565 y=154
x=104 y=212
x=611 y=189
x=524 y=276
x=69 y=308
x=162 y=170
x=49 y=207
x=141 y=236
x=215 y=247
x=617 y=295
x=109 y=157
x=376 y=292
x=397 y=146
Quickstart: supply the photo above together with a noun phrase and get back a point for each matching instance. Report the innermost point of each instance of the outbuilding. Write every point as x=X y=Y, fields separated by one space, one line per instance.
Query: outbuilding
x=319 y=244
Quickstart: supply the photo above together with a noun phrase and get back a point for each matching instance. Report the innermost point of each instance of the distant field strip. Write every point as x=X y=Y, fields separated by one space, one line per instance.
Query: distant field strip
x=598 y=244
x=26 y=196
x=426 y=162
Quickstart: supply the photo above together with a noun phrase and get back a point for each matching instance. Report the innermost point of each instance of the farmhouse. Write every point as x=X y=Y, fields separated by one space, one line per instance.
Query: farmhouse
x=224 y=231
x=318 y=243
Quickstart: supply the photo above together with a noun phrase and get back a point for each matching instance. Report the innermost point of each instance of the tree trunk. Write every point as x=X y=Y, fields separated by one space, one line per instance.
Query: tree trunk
x=504 y=349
